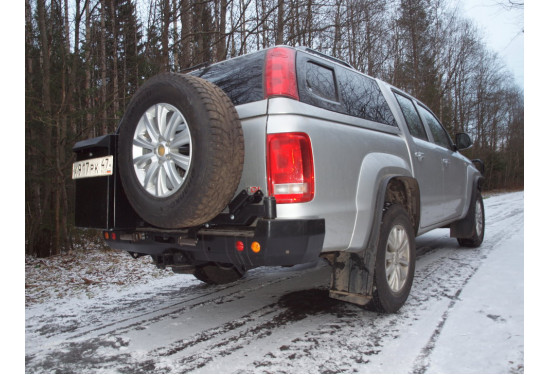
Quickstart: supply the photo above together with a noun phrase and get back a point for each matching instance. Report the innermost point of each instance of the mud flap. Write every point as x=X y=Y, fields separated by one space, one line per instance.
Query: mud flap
x=465 y=228
x=349 y=278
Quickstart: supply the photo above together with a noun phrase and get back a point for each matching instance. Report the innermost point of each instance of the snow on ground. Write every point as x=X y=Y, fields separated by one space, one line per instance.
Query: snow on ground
x=85 y=274
x=104 y=312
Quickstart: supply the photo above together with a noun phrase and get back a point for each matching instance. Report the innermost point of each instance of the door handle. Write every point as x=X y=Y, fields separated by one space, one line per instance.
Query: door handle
x=419 y=155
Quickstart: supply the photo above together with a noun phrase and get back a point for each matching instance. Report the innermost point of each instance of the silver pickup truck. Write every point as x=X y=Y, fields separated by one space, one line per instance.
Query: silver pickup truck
x=277 y=158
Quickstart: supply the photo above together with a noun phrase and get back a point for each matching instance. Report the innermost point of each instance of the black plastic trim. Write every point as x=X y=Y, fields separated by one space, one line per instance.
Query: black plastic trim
x=283 y=243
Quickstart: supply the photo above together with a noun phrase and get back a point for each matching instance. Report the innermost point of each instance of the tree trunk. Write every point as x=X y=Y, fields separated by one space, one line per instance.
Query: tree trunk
x=176 y=49
x=43 y=241
x=104 y=125
x=185 y=17
x=116 y=88
x=90 y=130
x=221 y=48
x=165 y=35
x=280 y=21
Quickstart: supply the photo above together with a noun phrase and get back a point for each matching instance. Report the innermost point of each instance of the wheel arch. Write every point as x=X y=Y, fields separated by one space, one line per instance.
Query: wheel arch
x=404 y=190
x=378 y=172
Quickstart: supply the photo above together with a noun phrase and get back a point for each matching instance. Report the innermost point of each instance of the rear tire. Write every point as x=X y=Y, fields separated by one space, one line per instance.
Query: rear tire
x=215 y=274
x=395 y=261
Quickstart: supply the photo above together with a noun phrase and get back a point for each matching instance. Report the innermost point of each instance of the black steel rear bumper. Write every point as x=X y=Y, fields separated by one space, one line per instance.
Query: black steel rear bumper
x=281 y=243
x=101 y=203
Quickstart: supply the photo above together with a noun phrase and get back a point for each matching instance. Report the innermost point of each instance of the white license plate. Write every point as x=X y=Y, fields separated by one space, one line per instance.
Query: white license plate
x=102 y=166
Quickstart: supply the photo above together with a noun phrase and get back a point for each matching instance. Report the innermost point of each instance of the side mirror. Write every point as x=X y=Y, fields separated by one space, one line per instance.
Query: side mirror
x=463 y=141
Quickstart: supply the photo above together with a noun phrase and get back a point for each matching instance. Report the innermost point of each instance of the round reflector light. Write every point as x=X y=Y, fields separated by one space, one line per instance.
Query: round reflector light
x=239 y=245
x=255 y=247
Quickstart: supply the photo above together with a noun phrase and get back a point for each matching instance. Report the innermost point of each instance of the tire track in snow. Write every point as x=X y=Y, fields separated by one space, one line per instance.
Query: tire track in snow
x=268 y=327
x=134 y=308
x=220 y=297
x=515 y=217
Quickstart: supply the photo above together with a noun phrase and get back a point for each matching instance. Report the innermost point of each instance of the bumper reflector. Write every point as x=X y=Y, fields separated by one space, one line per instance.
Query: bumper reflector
x=255 y=247
x=239 y=245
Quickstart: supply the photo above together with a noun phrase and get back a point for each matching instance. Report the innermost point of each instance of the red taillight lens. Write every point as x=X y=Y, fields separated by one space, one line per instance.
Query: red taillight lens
x=280 y=73
x=290 y=171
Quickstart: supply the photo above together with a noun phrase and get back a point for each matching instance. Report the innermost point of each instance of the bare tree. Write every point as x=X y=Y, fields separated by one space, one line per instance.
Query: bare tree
x=85 y=58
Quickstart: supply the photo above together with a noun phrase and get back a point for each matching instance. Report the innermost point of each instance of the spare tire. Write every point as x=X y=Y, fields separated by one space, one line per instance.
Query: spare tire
x=180 y=151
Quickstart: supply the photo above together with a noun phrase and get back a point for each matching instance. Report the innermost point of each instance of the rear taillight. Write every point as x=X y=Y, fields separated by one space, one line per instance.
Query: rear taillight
x=280 y=73
x=290 y=170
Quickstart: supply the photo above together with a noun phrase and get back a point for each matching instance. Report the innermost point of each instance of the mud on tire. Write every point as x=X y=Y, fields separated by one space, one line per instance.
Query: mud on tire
x=180 y=151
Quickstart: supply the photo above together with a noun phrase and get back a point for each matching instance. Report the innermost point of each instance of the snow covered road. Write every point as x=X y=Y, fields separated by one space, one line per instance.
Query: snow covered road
x=464 y=314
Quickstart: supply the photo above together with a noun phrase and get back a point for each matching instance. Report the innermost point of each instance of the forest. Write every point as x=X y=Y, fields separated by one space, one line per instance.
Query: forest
x=84 y=59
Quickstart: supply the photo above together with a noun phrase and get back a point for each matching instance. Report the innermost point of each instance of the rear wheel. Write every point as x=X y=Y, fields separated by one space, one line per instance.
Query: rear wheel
x=217 y=274
x=395 y=261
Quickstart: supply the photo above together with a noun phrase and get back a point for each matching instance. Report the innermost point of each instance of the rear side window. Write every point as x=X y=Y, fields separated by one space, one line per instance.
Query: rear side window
x=411 y=117
x=362 y=97
x=240 y=78
x=441 y=138
x=320 y=81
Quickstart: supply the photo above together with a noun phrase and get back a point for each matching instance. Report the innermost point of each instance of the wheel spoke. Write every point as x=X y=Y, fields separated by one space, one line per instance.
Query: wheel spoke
x=392 y=240
x=400 y=239
x=397 y=284
x=142 y=159
x=403 y=250
x=151 y=129
x=172 y=174
x=150 y=174
x=182 y=138
x=162 y=187
x=143 y=143
x=390 y=268
x=172 y=125
x=182 y=161
x=161 y=112
x=393 y=280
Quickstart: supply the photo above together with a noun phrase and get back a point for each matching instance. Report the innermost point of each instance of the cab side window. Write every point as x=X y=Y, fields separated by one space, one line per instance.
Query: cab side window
x=320 y=81
x=361 y=97
x=411 y=117
x=441 y=138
